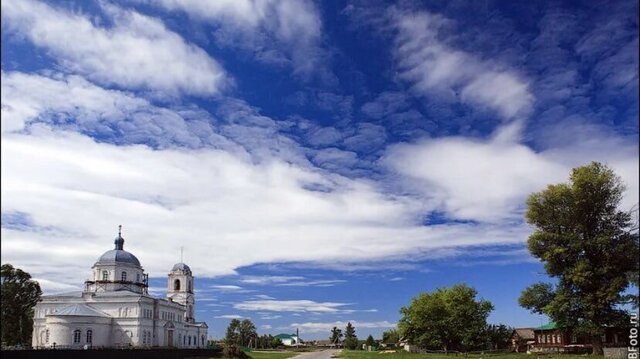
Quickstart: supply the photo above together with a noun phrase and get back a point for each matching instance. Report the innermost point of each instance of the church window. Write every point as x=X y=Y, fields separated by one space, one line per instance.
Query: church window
x=190 y=286
x=184 y=340
x=46 y=336
x=123 y=277
x=203 y=340
x=176 y=284
x=105 y=275
x=189 y=339
x=138 y=278
x=89 y=336
x=76 y=336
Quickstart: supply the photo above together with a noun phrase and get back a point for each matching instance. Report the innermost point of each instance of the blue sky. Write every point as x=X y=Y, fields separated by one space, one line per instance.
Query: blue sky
x=319 y=162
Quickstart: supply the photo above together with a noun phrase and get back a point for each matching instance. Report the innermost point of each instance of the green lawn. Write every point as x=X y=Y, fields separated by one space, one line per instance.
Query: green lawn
x=271 y=355
x=358 y=354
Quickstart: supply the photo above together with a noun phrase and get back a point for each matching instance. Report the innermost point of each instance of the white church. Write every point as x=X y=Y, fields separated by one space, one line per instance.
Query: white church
x=116 y=310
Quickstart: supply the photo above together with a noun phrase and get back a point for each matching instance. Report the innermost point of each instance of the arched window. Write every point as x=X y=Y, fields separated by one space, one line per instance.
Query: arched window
x=189 y=339
x=138 y=278
x=176 y=284
x=105 y=275
x=76 y=336
x=89 y=336
x=123 y=277
x=46 y=336
x=184 y=340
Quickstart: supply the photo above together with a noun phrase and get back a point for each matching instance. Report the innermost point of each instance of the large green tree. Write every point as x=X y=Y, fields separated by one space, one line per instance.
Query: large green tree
x=20 y=294
x=232 y=336
x=350 y=338
x=589 y=246
x=247 y=332
x=447 y=319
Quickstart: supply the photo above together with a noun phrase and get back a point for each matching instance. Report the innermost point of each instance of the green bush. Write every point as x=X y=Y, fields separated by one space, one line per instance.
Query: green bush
x=234 y=351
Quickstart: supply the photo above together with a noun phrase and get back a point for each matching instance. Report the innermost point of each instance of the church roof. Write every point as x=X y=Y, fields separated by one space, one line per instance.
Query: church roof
x=79 y=310
x=181 y=266
x=118 y=256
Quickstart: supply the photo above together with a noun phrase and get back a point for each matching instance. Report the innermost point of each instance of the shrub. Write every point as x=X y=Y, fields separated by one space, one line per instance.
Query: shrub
x=234 y=351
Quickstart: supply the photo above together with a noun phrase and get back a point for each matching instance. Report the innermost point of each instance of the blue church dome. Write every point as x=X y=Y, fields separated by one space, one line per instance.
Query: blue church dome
x=118 y=255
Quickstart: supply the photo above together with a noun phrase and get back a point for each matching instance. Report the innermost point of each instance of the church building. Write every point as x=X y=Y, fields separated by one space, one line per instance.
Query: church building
x=116 y=310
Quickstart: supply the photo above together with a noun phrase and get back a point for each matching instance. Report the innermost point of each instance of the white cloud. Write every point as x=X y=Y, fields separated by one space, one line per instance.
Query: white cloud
x=230 y=288
x=276 y=32
x=317 y=327
x=135 y=52
x=489 y=180
x=230 y=316
x=432 y=67
x=267 y=280
x=264 y=206
x=290 y=306
x=49 y=286
x=71 y=102
x=289 y=281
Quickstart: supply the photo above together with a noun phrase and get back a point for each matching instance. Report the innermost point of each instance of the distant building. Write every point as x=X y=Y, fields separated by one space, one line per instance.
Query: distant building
x=522 y=340
x=115 y=309
x=552 y=338
x=324 y=343
x=289 y=339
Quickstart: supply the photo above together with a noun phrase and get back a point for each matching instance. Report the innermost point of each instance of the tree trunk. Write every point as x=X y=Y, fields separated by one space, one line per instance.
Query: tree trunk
x=596 y=342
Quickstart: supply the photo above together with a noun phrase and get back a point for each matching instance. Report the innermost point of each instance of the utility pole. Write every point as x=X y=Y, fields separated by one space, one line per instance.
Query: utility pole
x=297 y=338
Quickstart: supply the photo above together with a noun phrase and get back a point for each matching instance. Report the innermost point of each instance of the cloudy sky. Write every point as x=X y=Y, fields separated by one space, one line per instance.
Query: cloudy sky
x=319 y=162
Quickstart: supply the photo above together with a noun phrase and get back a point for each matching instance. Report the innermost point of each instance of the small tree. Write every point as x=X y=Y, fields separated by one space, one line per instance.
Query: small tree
x=276 y=342
x=20 y=294
x=589 y=246
x=370 y=342
x=336 y=335
x=350 y=338
x=498 y=336
x=449 y=318
x=391 y=336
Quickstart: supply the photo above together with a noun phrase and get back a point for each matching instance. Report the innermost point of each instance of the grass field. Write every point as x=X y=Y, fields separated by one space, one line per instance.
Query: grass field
x=357 y=354
x=271 y=355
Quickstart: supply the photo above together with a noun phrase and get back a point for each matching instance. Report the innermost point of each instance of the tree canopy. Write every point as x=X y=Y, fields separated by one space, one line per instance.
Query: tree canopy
x=589 y=245
x=447 y=319
x=20 y=294
x=336 y=335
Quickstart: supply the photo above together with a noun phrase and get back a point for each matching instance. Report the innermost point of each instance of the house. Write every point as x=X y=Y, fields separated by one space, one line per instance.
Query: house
x=552 y=338
x=289 y=339
x=522 y=339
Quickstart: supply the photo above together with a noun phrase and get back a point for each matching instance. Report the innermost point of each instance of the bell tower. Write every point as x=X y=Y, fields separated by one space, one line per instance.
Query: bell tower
x=180 y=289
